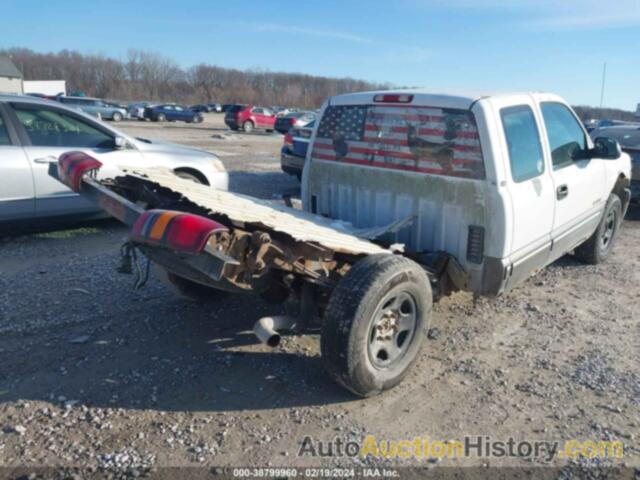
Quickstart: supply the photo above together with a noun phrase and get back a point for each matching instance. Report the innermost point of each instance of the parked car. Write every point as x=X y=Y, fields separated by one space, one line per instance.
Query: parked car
x=407 y=196
x=295 y=119
x=136 y=110
x=35 y=132
x=172 y=113
x=249 y=117
x=628 y=136
x=43 y=96
x=294 y=149
x=215 y=107
x=96 y=107
x=200 y=108
x=286 y=111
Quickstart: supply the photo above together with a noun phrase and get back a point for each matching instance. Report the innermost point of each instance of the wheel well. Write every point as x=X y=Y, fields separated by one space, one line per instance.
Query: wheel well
x=621 y=183
x=621 y=189
x=250 y=121
x=194 y=172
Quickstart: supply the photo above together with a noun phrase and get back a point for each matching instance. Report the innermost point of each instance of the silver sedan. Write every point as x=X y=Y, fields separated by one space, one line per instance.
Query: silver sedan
x=34 y=132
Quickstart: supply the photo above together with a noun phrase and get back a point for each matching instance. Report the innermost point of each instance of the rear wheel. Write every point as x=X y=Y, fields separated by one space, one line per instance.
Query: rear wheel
x=598 y=247
x=247 y=126
x=189 y=290
x=117 y=116
x=375 y=323
x=161 y=117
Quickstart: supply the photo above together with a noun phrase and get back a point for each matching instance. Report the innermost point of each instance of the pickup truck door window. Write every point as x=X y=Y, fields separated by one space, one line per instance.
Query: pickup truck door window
x=17 y=198
x=530 y=188
x=523 y=142
x=579 y=182
x=53 y=131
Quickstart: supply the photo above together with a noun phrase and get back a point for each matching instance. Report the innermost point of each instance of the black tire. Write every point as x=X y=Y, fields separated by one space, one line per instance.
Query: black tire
x=247 y=126
x=598 y=247
x=116 y=117
x=350 y=327
x=189 y=290
x=161 y=117
x=188 y=176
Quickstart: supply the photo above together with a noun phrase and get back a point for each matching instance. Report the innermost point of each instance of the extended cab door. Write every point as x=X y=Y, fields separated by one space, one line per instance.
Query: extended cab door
x=579 y=182
x=529 y=184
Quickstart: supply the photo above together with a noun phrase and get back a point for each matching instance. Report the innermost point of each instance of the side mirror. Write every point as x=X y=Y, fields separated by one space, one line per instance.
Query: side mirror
x=119 y=143
x=607 y=148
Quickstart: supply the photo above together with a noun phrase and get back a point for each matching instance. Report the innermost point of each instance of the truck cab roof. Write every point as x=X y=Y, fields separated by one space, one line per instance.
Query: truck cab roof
x=461 y=99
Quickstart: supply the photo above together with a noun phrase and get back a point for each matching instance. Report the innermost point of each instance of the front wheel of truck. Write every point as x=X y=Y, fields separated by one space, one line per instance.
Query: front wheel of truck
x=598 y=247
x=375 y=323
x=189 y=290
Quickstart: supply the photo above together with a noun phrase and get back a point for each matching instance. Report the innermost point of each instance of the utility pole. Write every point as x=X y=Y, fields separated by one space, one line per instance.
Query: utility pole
x=604 y=76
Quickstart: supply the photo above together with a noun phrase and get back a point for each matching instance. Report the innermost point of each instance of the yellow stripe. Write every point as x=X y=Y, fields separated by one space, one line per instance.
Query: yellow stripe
x=158 y=228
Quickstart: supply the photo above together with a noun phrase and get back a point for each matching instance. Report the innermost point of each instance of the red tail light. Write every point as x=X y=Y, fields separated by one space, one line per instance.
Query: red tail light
x=393 y=98
x=73 y=165
x=288 y=139
x=183 y=232
x=292 y=120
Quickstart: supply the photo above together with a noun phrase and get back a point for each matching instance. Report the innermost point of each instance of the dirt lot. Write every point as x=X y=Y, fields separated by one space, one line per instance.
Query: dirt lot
x=96 y=374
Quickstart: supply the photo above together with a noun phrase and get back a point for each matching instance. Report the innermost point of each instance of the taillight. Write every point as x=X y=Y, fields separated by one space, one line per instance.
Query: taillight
x=288 y=139
x=179 y=231
x=475 y=244
x=292 y=120
x=73 y=165
x=392 y=98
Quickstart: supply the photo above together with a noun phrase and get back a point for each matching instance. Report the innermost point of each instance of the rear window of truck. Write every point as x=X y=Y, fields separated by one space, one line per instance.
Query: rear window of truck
x=436 y=141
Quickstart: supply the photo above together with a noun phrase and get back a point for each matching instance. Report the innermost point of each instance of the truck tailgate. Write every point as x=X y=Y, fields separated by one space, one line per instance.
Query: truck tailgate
x=242 y=209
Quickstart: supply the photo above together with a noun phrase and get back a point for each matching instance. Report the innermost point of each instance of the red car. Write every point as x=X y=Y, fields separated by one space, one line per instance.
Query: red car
x=249 y=117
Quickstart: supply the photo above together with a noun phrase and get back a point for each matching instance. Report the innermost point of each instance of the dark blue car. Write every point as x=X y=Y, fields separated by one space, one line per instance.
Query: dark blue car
x=172 y=113
x=294 y=150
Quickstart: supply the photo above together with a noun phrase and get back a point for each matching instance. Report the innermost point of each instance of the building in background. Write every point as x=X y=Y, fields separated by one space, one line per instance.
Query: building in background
x=10 y=77
x=45 y=87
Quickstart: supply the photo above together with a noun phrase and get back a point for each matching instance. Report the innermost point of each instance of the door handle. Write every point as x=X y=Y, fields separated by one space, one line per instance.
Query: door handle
x=562 y=192
x=48 y=159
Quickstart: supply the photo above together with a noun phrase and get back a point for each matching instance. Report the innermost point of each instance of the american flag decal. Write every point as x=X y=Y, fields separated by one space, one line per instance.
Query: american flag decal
x=420 y=139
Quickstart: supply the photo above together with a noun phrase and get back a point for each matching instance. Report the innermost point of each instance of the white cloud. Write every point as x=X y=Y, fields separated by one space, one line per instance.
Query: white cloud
x=554 y=14
x=277 y=28
x=393 y=53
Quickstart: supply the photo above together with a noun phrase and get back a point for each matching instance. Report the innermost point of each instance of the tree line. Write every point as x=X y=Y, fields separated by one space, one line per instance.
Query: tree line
x=148 y=76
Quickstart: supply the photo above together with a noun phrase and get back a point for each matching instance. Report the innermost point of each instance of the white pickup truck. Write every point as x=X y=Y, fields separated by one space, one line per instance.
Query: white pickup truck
x=407 y=196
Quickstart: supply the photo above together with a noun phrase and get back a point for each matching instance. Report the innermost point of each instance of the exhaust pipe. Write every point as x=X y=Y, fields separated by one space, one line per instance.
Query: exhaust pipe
x=266 y=329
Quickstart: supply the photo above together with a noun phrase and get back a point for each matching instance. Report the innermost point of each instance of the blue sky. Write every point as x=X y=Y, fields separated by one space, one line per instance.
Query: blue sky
x=553 y=45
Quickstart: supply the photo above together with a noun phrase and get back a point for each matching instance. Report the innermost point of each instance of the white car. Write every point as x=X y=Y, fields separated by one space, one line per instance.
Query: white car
x=34 y=132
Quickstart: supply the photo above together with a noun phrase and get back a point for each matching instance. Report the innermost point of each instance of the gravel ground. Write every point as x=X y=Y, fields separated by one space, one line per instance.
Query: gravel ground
x=98 y=376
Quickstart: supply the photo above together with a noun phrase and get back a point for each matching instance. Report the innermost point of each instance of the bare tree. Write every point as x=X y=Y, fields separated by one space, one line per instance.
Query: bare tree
x=154 y=77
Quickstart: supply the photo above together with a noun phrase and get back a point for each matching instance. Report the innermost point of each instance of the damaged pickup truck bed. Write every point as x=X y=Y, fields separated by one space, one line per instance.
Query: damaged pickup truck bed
x=407 y=196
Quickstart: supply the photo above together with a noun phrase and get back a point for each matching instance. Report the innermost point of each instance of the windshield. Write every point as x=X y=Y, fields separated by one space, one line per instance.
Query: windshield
x=421 y=139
